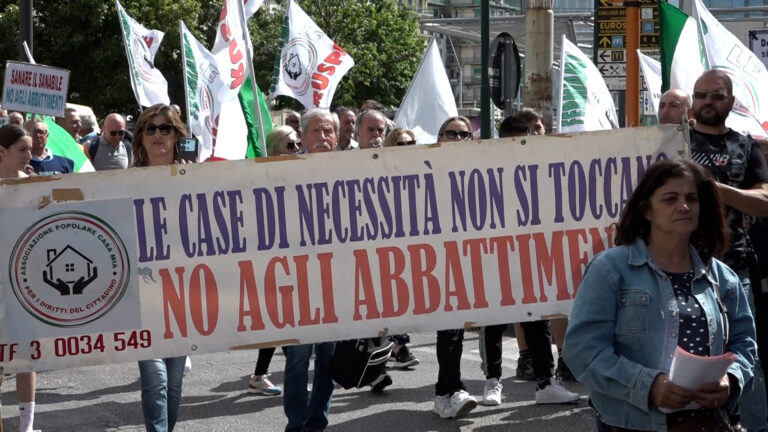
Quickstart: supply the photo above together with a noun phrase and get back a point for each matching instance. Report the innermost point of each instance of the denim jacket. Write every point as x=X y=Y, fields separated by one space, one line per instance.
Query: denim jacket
x=624 y=329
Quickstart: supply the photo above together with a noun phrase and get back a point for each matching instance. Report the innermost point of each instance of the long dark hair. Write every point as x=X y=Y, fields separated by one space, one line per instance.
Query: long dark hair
x=10 y=134
x=710 y=238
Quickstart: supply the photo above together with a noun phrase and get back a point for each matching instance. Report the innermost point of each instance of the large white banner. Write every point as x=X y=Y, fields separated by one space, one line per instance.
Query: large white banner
x=35 y=88
x=206 y=257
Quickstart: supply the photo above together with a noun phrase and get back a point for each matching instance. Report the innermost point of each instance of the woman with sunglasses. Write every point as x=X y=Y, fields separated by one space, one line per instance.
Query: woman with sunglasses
x=399 y=137
x=154 y=144
x=283 y=140
x=451 y=397
x=456 y=128
x=15 y=153
x=661 y=290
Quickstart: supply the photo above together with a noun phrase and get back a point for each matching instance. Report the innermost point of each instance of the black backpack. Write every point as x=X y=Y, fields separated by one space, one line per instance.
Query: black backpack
x=358 y=362
x=93 y=147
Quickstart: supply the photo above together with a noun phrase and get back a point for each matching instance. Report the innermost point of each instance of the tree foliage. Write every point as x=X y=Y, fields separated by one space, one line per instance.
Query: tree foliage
x=84 y=37
x=382 y=39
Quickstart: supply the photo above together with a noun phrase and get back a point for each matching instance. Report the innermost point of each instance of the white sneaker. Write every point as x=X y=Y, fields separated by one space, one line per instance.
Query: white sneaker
x=555 y=393
x=458 y=405
x=260 y=384
x=187 y=366
x=492 y=392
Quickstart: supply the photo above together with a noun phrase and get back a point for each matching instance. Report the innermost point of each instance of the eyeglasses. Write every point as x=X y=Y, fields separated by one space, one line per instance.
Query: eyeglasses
x=122 y=132
x=291 y=145
x=404 y=143
x=463 y=135
x=715 y=96
x=165 y=129
x=41 y=132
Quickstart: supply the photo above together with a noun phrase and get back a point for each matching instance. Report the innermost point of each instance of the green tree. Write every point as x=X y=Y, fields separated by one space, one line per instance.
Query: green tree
x=84 y=37
x=382 y=39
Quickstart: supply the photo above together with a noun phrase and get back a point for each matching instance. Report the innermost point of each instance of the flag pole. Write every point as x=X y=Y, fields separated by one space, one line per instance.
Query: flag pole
x=254 y=86
x=127 y=54
x=186 y=79
x=284 y=32
x=561 y=84
x=421 y=63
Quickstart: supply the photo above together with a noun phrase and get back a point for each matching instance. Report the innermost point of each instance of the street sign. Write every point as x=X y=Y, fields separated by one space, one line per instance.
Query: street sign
x=611 y=35
x=758 y=43
x=504 y=71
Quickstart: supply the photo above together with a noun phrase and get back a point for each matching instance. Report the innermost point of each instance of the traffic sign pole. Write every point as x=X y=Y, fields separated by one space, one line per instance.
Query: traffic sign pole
x=633 y=63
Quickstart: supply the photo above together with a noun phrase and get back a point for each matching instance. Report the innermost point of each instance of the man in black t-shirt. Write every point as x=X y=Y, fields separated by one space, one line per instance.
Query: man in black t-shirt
x=737 y=163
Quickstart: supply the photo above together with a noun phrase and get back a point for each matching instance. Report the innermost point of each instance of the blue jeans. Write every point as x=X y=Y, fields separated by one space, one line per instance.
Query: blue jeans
x=303 y=413
x=161 y=392
x=753 y=405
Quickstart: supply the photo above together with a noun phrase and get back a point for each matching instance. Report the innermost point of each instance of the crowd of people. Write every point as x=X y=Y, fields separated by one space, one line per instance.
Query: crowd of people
x=681 y=275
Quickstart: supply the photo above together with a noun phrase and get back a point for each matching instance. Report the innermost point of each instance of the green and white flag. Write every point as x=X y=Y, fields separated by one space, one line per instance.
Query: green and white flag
x=149 y=84
x=61 y=143
x=226 y=130
x=585 y=102
x=682 y=57
x=725 y=52
x=652 y=77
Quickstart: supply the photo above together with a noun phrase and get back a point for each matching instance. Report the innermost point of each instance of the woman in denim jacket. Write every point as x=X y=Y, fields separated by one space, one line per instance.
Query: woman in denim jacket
x=654 y=292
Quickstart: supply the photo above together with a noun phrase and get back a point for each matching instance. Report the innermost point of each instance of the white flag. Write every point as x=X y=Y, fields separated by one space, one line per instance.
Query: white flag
x=149 y=84
x=229 y=49
x=585 y=102
x=748 y=74
x=310 y=64
x=652 y=76
x=251 y=6
x=211 y=120
x=201 y=77
x=429 y=100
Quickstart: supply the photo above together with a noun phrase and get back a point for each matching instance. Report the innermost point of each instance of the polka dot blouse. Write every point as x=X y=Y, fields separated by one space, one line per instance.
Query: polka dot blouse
x=694 y=332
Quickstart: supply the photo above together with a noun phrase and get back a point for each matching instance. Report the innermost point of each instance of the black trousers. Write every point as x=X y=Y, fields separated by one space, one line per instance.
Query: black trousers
x=539 y=339
x=449 y=347
x=262 y=362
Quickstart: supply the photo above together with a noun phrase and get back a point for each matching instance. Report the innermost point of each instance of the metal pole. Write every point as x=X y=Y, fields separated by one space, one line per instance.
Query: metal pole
x=539 y=44
x=25 y=28
x=633 y=64
x=186 y=78
x=485 y=85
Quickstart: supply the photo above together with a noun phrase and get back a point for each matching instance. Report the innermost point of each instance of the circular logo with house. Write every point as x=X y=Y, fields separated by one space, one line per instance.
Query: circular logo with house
x=69 y=269
x=299 y=59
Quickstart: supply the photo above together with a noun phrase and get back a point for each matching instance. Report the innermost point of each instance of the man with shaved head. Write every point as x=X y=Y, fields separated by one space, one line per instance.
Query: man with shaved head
x=674 y=105
x=112 y=149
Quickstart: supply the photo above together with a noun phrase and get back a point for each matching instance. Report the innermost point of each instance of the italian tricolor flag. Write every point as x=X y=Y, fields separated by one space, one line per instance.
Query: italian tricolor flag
x=682 y=56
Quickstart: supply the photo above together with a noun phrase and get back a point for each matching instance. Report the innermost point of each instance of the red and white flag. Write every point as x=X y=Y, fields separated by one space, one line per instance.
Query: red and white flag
x=229 y=50
x=141 y=43
x=310 y=65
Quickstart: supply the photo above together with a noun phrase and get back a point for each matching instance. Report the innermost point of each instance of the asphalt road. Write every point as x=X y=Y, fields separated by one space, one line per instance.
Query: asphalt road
x=107 y=398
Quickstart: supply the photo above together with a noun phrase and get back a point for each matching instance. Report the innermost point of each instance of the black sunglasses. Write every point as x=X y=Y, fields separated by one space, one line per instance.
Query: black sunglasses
x=404 y=143
x=290 y=145
x=463 y=135
x=119 y=132
x=716 y=97
x=165 y=129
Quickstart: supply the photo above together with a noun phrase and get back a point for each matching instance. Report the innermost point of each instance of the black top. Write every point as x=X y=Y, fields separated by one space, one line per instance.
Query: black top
x=735 y=160
x=693 y=333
